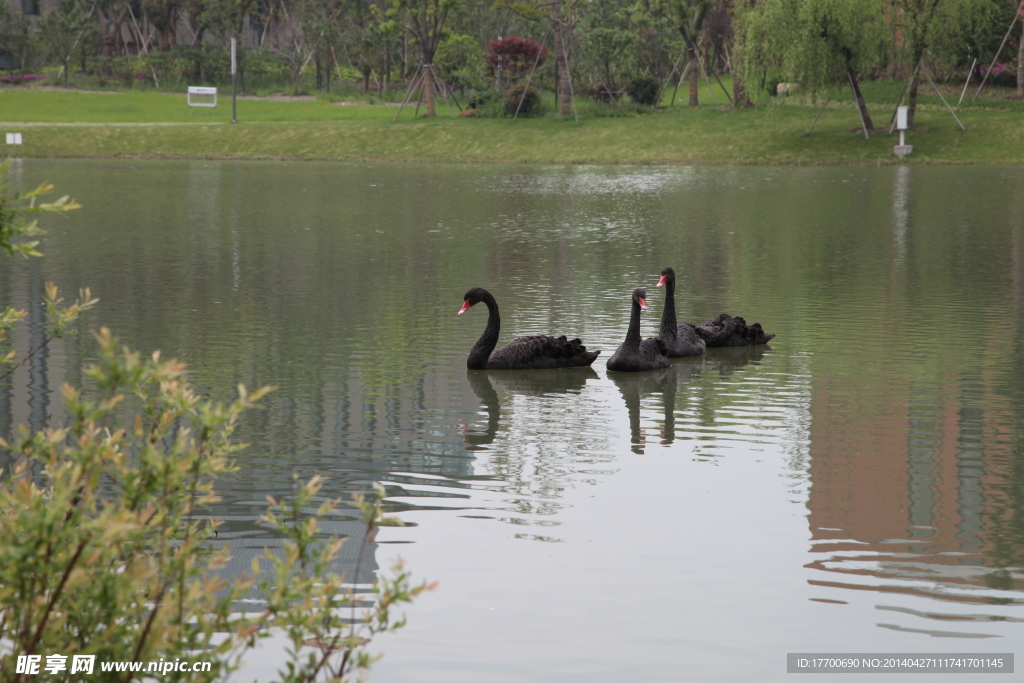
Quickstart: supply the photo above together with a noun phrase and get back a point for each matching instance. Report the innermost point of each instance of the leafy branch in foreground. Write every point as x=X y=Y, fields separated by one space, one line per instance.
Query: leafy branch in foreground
x=327 y=625
x=14 y=210
x=100 y=551
x=107 y=548
x=14 y=224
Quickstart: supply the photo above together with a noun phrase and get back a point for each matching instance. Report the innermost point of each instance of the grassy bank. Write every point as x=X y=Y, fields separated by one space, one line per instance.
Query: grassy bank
x=317 y=129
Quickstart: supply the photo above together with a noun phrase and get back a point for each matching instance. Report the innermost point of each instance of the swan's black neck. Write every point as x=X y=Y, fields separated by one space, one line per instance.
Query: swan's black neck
x=668 y=318
x=633 y=333
x=489 y=339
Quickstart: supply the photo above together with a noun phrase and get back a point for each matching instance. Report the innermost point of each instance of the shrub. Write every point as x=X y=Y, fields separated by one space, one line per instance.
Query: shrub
x=530 y=102
x=482 y=99
x=106 y=547
x=1002 y=76
x=644 y=90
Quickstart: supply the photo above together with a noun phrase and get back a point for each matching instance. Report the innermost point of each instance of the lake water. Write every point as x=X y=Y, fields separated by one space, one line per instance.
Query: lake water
x=855 y=486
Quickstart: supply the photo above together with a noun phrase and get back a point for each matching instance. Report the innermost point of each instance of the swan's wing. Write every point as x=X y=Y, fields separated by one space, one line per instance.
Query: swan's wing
x=726 y=330
x=686 y=343
x=717 y=332
x=751 y=335
x=527 y=351
x=654 y=351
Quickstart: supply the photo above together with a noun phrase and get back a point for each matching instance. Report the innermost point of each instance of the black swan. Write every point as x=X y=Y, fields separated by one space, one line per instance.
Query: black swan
x=680 y=339
x=726 y=330
x=524 y=353
x=635 y=355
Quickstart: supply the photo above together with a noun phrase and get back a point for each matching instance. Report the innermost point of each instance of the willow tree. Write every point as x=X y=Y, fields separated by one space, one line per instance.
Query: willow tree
x=941 y=29
x=424 y=20
x=818 y=43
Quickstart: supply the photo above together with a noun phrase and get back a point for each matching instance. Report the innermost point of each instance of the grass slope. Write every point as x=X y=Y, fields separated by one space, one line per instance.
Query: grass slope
x=316 y=129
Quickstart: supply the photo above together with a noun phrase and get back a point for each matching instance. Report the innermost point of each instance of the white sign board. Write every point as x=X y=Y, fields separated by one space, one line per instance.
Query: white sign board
x=14 y=138
x=202 y=97
x=901 y=117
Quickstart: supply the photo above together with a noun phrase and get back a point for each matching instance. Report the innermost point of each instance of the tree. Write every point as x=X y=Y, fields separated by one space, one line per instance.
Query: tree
x=941 y=29
x=461 y=61
x=60 y=30
x=112 y=15
x=1020 y=52
x=610 y=48
x=516 y=57
x=226 y=18
x=740 y=96
x=320 y=26
x=164 y=16
x=424 y=21
x=562 y=17
x=819 y=43
x=687 y=16
x=17 y=37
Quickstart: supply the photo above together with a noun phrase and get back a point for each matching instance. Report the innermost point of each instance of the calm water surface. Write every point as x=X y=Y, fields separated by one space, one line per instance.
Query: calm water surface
x=855 y=486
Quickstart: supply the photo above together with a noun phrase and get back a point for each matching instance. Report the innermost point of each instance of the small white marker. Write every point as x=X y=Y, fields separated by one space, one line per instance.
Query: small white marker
x=903 y=149
x=14 y=138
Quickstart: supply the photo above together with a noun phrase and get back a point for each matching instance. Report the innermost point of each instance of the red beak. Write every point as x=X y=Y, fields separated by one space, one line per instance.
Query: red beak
x=643 y=304
x=465 y=307
x=661 y=281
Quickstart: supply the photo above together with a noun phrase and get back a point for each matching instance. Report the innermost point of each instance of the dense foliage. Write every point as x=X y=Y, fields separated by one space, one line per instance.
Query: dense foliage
x=573 y=48
x=522 y=101
x=644 y=90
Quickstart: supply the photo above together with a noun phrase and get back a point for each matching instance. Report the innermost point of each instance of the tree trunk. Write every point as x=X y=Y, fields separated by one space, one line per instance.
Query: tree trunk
x=740 y=97
x=428 y=91
x=861 y=104
x=110 y=29
x=694 y=76
x=561 y=62
x=912 y=98
x=915 y=82
x=1020 y=64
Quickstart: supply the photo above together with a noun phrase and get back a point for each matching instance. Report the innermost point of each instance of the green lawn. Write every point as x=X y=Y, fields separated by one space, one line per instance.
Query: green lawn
x=81 y=106
x=771 y=133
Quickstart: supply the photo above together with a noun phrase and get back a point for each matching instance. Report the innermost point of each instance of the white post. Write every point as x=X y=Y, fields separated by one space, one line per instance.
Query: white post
x=234 y=71
x=903 y=149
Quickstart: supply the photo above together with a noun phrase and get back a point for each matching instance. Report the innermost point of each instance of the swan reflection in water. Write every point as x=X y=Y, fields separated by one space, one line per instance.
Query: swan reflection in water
x=523 y=382
x=666 y=382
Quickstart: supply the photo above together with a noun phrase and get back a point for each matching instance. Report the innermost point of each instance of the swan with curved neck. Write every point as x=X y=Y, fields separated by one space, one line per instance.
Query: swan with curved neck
x=634 y=354
x=680 y=339
x=525 y=353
